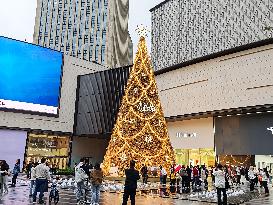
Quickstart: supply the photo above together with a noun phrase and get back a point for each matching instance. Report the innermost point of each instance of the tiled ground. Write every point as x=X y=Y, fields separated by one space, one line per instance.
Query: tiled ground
x=19 y=196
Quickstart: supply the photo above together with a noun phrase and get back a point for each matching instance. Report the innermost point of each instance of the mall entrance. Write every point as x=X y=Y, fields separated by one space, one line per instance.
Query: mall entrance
x=53 y=147
x=245 y=140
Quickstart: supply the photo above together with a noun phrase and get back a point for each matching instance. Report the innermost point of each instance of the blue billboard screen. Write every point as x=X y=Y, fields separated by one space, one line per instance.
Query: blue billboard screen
x=30 y=77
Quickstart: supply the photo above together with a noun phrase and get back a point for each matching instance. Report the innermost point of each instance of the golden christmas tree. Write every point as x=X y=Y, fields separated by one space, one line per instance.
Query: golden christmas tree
x=140 y=132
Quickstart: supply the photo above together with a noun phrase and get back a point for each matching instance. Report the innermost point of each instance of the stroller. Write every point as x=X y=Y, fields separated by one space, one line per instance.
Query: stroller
x=54 y=194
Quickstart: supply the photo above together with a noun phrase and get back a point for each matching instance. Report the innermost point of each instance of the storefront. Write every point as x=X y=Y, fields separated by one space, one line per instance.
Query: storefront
x=55 y=148
x=264 y=161
x=193 y=141
x=245 y=139
x=88 y=147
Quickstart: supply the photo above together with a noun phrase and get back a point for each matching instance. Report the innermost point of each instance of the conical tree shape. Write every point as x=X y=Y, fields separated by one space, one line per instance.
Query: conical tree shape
x=140 y=132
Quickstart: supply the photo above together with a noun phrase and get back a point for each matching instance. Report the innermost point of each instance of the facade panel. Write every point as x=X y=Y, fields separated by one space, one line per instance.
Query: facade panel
x=193 y=141
x=99 y=97
x=233 y=81
x=183 y=30
x=244 y=135
x=192 y=134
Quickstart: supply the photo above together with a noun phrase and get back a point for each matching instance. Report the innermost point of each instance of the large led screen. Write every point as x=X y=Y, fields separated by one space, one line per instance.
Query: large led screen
x=30 y=77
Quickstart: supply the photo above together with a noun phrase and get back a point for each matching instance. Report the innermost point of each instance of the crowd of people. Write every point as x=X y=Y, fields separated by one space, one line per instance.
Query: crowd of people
x=39 y=175
x=186 y=179
x=182 y=179
x=223 y=176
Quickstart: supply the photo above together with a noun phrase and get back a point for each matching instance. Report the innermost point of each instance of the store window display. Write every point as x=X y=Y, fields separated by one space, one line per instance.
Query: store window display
x=195 y=157
x=55 y=148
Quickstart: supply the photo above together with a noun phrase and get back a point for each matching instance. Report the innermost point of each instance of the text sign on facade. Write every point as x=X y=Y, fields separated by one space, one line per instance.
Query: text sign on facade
x=186 y=135
x=270 y=129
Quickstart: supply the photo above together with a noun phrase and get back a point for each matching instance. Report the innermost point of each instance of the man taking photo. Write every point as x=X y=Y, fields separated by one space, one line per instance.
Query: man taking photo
x=132 y=175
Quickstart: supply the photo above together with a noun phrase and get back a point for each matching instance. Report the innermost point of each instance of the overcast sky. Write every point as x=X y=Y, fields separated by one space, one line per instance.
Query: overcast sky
x=17 y=18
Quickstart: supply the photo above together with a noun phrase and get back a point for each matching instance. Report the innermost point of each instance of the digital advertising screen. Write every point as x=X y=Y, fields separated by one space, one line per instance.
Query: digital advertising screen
x=30 y=77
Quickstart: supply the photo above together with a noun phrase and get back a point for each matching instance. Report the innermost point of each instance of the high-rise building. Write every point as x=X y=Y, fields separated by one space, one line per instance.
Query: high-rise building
x=93 y=30
x=184 y=30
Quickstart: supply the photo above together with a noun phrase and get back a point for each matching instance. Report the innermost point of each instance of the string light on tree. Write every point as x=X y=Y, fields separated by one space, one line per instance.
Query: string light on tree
x=140 y=132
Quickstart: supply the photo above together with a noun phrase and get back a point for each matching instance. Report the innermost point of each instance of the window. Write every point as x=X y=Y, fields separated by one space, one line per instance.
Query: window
x=69 y=24
x=102 y=53
x=67 y=47
x=97 y=53
x=85 y=54
x=85 y=38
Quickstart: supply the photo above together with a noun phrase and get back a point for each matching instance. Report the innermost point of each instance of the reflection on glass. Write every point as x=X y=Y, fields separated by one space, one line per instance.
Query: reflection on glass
x=54 y=148
x=195 y=157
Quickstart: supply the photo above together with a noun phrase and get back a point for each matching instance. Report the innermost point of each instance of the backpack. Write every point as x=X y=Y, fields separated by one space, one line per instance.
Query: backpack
x=96 y=177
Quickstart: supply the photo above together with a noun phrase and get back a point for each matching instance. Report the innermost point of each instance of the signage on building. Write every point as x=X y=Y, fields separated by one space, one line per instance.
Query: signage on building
x=2 y=103
x=186 y=135
x=270 y=129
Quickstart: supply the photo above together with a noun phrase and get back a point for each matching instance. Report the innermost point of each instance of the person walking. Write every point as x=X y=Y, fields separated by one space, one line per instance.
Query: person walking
x=172 y=180
x=15 y=172
x=184 y=176
x=251 y=177
x=212 y=176
x=238 y=175
x=96 y=180
x=220 y=184
x=204 y=176
x=132 y=175
x=227 y=177
x=42 y=176
x=4 y=171
x=188 y=183
x=32 y=177
x=28 y=169
x=264 y=178
x=80 y=178
x=144 y=174
x=195 y=174
x=163 y=175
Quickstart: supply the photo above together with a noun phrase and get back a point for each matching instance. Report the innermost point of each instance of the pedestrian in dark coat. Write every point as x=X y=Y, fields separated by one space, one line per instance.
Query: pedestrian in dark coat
x=132 y=175
x=15 y=172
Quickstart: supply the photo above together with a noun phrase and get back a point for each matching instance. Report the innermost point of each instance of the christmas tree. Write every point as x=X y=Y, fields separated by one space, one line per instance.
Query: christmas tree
x=140 y=132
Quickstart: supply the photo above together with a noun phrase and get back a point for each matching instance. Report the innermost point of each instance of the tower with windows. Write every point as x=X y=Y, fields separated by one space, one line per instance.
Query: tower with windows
x=93 y=30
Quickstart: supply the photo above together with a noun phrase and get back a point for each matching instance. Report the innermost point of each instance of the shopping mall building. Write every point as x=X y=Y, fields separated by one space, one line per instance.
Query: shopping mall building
x=55 y=106
x=214 y=74
x=214 y=70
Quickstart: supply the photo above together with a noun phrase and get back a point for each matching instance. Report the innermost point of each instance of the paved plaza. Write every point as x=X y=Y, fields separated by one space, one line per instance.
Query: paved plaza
x=19 y=196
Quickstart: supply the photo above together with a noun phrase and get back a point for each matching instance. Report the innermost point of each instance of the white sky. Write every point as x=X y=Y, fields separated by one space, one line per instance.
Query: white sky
x=17 y=18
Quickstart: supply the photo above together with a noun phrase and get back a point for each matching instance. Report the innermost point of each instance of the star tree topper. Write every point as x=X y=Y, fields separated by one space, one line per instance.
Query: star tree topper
x=142 y=31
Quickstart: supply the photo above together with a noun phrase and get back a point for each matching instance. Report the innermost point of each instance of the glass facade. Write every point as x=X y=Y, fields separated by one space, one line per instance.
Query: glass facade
x=195 y=157
x=55 y=148
x=75 y=27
